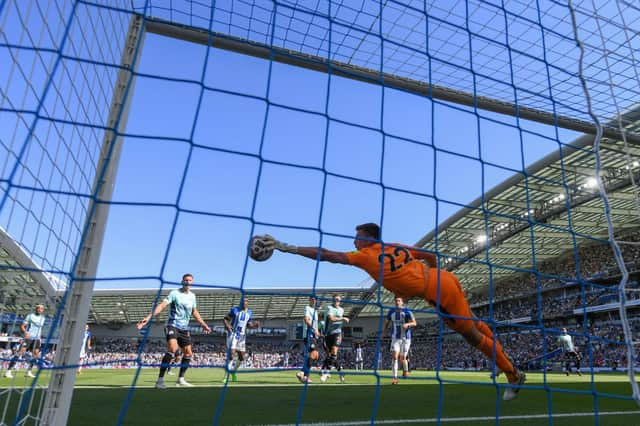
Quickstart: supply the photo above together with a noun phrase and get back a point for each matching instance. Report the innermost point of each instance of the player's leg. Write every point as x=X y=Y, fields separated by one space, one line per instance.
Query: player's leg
x=338 y=364
x=309 y=356
x=172 y=347
x=240 y=350
x=577 y=358
x=20 y=354
x=14 y=360
x=80 y=363
x=394 y=367
x=233 y=363
x=454 y=303
x=486 y=330
x=231 y=353
x=330 y=359
x=406 y=344
x=187 y=354
x=35 y=353
x=395 y=350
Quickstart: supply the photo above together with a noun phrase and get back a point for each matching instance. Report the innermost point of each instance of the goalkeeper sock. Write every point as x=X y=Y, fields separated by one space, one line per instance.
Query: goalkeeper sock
x=166 y=362
x=485 y=329
x=405 y=365
x=501 y=360
x=184 y=365
x=394 y=367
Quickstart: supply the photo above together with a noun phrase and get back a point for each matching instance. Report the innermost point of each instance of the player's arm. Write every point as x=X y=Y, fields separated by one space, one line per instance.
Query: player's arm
x=227 y=322
x=253 y=324
x=23 y=329
x=198 y=318
x=310 y=252
x=411 y=323
x=385 y=327
x=309 y=322
x=422 y=254
x=324 y=255
x=334 y=318
x=159 y=308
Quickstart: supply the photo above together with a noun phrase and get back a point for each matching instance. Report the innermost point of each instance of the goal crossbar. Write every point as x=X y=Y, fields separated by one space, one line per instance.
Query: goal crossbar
x=367 y=75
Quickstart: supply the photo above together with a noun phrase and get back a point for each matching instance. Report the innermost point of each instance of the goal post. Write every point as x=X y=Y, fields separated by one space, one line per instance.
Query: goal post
x=73 y=309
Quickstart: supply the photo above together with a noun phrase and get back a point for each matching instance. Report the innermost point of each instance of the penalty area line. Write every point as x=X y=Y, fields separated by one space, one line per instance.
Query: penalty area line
x=458 y=419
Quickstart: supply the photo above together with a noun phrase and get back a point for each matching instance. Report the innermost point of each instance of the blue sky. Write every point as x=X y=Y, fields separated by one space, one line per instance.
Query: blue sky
x=257 y=149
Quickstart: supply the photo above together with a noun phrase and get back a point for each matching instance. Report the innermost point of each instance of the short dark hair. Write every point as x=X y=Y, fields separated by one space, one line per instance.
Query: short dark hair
x=186 y=275
x=371 y=229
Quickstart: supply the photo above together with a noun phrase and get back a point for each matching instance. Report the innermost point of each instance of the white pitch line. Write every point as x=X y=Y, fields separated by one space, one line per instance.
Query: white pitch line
x=458 y=419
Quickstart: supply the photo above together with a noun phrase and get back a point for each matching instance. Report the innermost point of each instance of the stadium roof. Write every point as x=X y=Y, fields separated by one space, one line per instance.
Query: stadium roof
x=541 y=213
x=21 y=282
x=131 y=306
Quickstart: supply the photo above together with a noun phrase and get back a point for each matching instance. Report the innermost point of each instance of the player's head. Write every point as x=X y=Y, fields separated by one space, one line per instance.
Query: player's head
x=187 y=280
x=366 y=235
x=312 y=301
x=86 y=327
x=564 y=331
x=39 y=309
x=399 y=302
x=244 y=303
x=336 y=300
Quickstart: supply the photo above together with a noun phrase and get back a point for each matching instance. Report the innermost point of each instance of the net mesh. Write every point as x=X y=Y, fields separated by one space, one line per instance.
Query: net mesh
x=247 y=136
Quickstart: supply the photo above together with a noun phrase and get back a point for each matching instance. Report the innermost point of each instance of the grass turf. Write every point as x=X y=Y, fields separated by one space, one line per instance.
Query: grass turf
x=105 y=397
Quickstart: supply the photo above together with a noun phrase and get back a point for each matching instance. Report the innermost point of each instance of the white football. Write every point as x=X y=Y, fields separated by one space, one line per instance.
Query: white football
x=257 y=249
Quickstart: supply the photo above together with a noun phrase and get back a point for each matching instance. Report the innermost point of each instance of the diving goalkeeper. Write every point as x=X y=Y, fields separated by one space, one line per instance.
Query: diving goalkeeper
x=398 y=269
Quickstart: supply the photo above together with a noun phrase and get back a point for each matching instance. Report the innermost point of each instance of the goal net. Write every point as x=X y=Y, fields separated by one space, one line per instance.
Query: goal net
x=140 y=140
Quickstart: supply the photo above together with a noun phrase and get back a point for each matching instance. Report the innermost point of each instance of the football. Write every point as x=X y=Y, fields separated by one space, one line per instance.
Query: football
x=257 y=249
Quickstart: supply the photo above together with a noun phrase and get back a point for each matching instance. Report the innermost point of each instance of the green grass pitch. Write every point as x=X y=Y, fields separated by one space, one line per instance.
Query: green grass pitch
x=274 y=398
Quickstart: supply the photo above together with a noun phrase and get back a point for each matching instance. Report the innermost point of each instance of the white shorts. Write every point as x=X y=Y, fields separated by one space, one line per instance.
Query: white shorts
x=401 y=346
x=235 y=342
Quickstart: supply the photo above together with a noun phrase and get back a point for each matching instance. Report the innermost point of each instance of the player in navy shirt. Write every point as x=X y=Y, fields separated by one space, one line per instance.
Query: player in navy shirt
x=85 y=348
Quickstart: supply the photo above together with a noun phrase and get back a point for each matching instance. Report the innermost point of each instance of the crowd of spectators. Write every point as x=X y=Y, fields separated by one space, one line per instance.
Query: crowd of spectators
x=530 y=346
x=122 y=353
x=595 y=261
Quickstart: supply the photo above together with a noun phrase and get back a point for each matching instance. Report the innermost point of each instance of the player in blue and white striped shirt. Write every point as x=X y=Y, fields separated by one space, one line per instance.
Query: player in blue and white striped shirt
x=401 y=320
x=236 y=322
x=85 y=348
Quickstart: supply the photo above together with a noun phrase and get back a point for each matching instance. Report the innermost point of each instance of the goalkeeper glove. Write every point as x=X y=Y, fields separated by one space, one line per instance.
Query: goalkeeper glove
x=272 y=243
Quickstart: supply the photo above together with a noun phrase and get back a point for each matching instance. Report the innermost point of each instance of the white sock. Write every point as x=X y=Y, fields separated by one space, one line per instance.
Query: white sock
x=395 y=368
x=405 y=365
